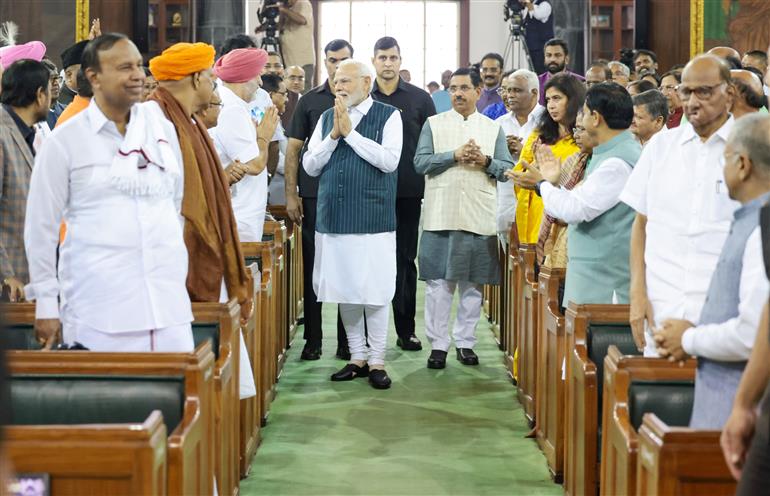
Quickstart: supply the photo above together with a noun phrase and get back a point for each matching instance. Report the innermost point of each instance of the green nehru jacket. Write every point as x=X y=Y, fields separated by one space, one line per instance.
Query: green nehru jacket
x=599 y=250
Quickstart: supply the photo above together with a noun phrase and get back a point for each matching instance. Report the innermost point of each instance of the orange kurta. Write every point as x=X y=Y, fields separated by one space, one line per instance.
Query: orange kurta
x=77 y=105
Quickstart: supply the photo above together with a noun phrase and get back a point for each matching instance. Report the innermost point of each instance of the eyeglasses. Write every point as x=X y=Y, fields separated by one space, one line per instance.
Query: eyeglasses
x=576 y=130
x=668 y=87
x=501 y=91
x=464 y=88
x=296 y=78
x=701 y=92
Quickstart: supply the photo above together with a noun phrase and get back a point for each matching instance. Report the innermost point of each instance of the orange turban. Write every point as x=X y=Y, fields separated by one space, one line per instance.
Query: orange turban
x=181 y=60
x=241 y=65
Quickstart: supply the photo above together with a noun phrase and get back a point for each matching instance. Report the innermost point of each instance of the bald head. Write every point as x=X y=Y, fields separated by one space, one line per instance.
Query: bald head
x=750 y=96
x=295 y=78
x=728 y=54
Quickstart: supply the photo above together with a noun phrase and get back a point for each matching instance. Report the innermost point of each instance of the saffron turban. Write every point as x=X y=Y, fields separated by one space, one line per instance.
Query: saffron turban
x=180 y=60
x=241 y=65
x=34 y=50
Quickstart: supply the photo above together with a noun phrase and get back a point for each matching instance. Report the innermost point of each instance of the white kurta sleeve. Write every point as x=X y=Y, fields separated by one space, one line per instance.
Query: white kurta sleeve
x=733 y=339
x=319 y=150
x=541 y=11
x=384 y=156
x=48 y=197
x=598 y=193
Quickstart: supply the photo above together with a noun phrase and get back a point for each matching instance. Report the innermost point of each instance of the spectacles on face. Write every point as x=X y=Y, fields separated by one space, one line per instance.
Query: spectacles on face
x=55 y=79
x=577 y=130
x=464 y=88
x=667 y=87
x=701 y=92
x=296 y=78
x=501 y=91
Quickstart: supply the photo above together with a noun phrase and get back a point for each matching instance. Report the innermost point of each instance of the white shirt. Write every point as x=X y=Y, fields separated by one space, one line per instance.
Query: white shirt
x=123 y=266
x=236 y=139
x=356 y=268
x=506 y=196
x=541 y=11
x=596 y=194
x=733 y=340
x=678 y=183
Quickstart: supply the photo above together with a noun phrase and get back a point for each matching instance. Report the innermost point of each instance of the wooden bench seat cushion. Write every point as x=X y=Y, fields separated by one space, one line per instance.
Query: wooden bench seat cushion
x=20 y=337
x=599 y=337
x=205 y=331
x=671 y=401
x=65 y=399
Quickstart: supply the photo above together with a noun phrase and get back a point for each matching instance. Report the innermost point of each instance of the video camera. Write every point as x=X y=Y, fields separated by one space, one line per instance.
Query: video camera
x=268 y=18
x=513 y=11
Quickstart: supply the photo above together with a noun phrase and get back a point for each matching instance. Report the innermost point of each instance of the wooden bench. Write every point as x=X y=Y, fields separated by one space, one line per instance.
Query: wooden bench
x=111 y=458
x=550 y=382
x=633 y=386
x=527 y=338
x=679 y=460
x=276 y=232
x=589 y=330
x=119 y=388
x=513 y=282
x=293 y=266
x=263 y=254
x=251 y=408
x=220 y=322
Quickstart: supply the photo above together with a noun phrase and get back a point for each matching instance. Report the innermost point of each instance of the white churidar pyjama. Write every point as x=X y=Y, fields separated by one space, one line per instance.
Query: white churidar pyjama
x=439 y=294
x=376 y=322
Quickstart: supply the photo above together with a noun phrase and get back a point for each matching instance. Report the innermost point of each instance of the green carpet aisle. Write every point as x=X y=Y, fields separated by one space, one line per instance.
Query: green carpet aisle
x=457 y=431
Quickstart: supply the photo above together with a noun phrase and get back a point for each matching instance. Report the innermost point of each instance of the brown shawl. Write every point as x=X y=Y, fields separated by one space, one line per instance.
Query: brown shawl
x=210 y=230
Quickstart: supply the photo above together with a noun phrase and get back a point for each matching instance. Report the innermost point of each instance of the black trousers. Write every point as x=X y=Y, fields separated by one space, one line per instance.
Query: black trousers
x=755 y=478
x=313 y=331
x=537 y=54
x=404 y=300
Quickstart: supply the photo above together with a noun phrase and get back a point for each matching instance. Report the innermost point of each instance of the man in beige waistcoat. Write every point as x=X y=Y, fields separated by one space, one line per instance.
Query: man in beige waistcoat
x=463 y=154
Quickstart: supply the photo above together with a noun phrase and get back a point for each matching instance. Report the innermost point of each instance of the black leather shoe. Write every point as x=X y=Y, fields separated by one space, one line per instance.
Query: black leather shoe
x=343 y=353
x=409 y=344
x=350 y=372
x=379 y=379
x=310 y=353
x=437 y=359
x=466 y=356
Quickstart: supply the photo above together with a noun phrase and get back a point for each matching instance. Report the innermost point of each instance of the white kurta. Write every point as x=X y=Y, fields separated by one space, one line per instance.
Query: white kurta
x=236 y=139
x=356 y=268
x=124 y=265
x=678 y=183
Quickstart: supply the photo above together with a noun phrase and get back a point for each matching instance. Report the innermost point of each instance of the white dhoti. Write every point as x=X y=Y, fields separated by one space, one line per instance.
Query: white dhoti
x=246 y=386
x=358 y=271
x=439 y=294
x=173 y=339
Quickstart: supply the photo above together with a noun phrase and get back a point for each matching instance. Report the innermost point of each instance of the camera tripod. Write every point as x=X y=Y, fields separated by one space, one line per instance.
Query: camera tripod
x=516 y=47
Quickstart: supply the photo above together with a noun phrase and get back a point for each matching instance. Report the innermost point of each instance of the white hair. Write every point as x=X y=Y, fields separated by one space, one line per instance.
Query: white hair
x=532 y=82
x=363 y=69
x=623 y=67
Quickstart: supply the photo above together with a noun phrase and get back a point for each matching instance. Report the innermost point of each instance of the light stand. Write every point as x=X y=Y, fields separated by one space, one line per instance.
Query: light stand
x=516 y=47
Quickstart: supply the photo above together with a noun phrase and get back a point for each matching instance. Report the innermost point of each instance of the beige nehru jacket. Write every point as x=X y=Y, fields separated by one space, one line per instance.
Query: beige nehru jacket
x=462 y=198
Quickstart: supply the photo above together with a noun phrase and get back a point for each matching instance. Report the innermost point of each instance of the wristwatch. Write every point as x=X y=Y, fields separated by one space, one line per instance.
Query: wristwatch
x=537 y=186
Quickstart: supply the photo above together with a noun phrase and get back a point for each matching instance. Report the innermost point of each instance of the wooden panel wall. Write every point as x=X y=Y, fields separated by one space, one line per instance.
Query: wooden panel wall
x=669 y=32
x=116 y=15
